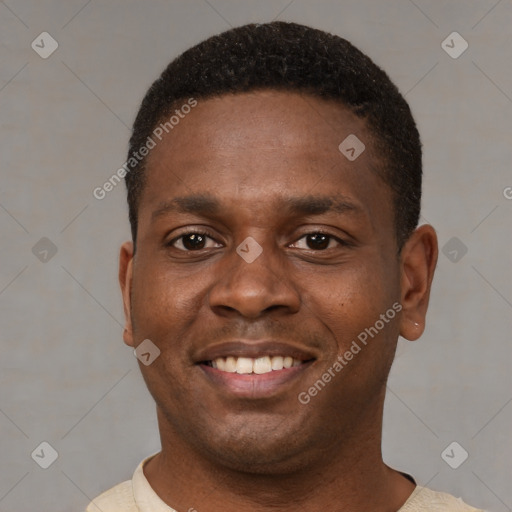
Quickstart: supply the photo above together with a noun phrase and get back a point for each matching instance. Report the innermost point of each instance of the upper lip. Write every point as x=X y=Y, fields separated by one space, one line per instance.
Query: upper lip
x=253 y=349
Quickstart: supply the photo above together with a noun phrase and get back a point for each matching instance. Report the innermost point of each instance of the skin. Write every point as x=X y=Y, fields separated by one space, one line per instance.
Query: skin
x=221 y=452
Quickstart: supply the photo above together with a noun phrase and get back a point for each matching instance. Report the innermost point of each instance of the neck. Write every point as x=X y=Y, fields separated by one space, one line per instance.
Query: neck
x=351 y=476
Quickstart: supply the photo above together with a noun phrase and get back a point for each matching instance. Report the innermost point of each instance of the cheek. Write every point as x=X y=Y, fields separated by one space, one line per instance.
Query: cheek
x=162 y=302
x=351 y=300
x=164 y=309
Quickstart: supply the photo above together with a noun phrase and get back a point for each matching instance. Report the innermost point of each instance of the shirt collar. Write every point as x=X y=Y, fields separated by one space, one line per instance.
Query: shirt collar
x=146 y=499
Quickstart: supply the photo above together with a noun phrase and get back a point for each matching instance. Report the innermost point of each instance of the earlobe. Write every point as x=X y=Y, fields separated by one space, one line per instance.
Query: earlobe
x=125 y=281
x=417 y=266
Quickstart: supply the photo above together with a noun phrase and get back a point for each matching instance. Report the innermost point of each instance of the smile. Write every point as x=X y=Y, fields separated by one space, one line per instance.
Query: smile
x=254 y=369
x=249 y=365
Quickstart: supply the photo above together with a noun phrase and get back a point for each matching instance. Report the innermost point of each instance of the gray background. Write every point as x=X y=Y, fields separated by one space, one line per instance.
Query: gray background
x=66 y=376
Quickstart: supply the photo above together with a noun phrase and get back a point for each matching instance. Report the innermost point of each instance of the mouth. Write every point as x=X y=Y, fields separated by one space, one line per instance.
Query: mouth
x=257 y=366
x=254 y=369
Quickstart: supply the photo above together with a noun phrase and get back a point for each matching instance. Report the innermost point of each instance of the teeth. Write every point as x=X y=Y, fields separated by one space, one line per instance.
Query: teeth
x=277 y=363
x=230 y=365
x=260 y=365
x=244 y=365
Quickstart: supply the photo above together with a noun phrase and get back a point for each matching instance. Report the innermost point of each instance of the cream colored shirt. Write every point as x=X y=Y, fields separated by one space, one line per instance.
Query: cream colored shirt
x=136 y=495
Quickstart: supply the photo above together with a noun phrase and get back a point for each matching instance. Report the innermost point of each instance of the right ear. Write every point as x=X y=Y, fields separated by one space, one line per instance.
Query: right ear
x=125 y=281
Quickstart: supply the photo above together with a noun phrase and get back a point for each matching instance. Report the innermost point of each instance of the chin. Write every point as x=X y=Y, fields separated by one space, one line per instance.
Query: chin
x=257 y=452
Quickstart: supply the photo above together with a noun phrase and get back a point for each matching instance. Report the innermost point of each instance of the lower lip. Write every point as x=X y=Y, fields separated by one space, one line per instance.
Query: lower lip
x=254 y=385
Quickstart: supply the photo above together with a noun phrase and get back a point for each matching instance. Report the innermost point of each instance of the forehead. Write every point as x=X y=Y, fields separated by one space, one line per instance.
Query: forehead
x=263 y=145
x=264 y=120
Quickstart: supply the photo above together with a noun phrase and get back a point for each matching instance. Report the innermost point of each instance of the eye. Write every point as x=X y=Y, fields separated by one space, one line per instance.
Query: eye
x=319 y=241
x=193 y=241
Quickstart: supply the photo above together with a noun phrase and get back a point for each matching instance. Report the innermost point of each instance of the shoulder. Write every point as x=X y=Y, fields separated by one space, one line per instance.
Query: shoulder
x=427 y=500
x=117 y=499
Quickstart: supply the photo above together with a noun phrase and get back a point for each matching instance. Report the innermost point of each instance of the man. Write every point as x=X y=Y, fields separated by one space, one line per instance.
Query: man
x=274 y=185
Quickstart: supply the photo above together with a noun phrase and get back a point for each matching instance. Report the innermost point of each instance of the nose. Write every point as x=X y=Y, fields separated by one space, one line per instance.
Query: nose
x=254 y=288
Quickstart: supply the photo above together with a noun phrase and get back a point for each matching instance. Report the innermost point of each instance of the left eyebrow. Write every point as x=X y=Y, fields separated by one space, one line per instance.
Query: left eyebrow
x=316 y=205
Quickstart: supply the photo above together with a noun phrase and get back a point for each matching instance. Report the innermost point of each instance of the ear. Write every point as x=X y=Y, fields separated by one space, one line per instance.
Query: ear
x=125 y=281
x=417 y=264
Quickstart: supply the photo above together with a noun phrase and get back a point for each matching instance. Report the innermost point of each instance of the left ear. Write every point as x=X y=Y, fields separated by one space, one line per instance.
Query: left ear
x=417 y=264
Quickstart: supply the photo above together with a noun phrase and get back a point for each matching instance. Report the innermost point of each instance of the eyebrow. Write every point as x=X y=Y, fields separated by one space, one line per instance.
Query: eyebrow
x=316 y=205
x=204 y=204
x=201 y=204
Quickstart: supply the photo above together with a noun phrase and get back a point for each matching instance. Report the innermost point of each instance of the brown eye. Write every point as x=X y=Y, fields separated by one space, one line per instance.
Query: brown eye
x=318 y=241
x=193 y=242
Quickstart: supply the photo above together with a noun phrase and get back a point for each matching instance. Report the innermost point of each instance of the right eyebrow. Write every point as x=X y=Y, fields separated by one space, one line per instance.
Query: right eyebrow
x=201 y=204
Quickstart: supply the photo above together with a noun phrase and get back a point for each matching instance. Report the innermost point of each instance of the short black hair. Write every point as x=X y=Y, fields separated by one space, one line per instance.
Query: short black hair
x=296 y=58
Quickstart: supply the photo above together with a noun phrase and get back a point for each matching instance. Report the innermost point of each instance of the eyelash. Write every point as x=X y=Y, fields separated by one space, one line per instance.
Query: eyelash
x=204 y=233
x=191 y=232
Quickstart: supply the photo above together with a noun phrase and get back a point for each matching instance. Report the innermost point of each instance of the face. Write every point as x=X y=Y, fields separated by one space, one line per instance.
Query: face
x=263 y=254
